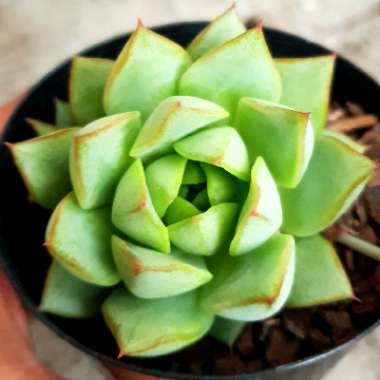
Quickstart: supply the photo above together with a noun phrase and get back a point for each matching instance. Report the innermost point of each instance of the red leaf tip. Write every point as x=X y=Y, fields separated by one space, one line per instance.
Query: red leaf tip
x=9 y=145
x=259 y=23
x=121 y=354
x=46 y=244
x=232 y=6
x=140 y=24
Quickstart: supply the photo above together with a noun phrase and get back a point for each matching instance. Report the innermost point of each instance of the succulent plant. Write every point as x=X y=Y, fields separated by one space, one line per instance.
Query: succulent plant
x=190 y=187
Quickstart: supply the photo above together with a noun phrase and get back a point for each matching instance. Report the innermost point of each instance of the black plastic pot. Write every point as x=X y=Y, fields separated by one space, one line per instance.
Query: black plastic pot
x=22 y=224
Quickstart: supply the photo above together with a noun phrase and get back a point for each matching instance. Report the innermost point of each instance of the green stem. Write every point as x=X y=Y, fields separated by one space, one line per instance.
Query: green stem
x=359 y=245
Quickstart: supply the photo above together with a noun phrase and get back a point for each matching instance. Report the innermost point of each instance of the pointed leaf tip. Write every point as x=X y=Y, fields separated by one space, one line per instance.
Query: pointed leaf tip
x=9 y=146
x=140 y=23
x=260 y=24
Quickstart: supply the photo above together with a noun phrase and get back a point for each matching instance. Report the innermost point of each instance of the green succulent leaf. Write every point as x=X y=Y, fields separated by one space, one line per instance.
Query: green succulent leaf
x=146 y=328
x=221 y=186
x=41 y=128
x=43 y=163
x=320 y=277
x=223 y=28
x=226 y=330
x=266 y=126
x=174 y=118
x=194 y=174
x=354 y=145
x=133 y=212
x=79 y=240
x=184 y=191
x=306 y=85
x=164 y=178
x=88 y=78
x=334 y=179
x=201 y=200
x=67 y=296
x=63 y=116
x=99 y=157
x=205 y=233
x=240 y=67
x=220 y=146
x=261 y=214
x=151 y=274
x=147 y=61
x=180 y=209
x=254 y=286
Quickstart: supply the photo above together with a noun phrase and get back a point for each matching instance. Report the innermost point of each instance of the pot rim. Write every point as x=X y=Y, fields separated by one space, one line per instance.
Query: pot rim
x=30 y=305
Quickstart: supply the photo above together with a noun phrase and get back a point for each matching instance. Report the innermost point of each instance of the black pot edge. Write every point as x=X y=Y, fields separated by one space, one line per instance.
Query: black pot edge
x=299 y=364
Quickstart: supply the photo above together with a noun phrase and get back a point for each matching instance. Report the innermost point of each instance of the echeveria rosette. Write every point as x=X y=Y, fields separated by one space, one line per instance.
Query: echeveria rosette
x=193 y=196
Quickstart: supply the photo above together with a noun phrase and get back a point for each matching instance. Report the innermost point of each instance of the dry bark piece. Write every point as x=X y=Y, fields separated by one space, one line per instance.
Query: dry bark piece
x=254 y=365
x=375 y=280
x=375 y=180
x=361 y=211
x=368 y=304
x=230 y=364
x=339 y=323
x=244 y=344
x=353 y=123
x=349 y=260
x=280 y=348
x=367 y=233
x=372 y=197
x=354 y=108
x=336 y=114
x=267 y=326
x=318 y=340
x=297 y=322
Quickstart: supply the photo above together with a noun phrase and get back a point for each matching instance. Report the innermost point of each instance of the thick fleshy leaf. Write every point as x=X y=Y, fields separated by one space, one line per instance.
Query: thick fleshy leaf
x=261 y=215
x=99 y=157
x=174 y=118
x=79 y=240
x=220 y=146
x=206 y=233
x=226 y=330
x=163 y=178
x=223 y=28
x=133 y=212
x=154 y=327
x=240 y=67
x=221 y=186
x=353 y=144
x=88 y=77
x=268 y=128
x=63 y=116
x=194 y=174
x=306 y=85
x=41 y=128
x=254 y=286
x=201 y=200
x=184 y=191
x=151 y=274
x=67 y=296
x=334 y=179
x=43 y=163
x=147 y=61
x=180 y=209
x=320 y=277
